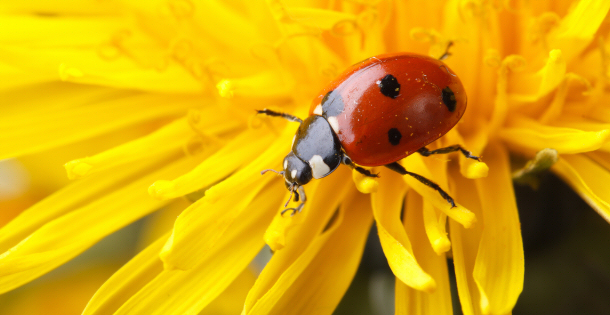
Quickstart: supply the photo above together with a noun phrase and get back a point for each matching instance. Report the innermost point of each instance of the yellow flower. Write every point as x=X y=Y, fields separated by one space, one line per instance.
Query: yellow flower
x=163 y=94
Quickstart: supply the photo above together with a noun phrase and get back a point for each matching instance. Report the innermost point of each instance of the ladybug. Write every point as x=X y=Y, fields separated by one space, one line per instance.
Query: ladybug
x=377 y=112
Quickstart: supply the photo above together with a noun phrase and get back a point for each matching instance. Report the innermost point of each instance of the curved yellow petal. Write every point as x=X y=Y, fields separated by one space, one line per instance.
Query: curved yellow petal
x=588 y=178
x=465 y=245
x=189 y=291
x=578 y=27
x=63 y=238
x=500 y=266
x=415 y=164
x=128 y=280
x=434 y=224
x=529 y=135
x=331 y=259
x=66 y=200
x=89 y=116
x=208 y=215
x=411 y=301
x=316 y=215
x=387 y=207
x=239 y=151
x=545 y=80
x=144 y=147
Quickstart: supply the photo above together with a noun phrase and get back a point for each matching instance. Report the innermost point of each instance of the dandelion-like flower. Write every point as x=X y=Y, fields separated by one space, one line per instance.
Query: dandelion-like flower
x=166 y=93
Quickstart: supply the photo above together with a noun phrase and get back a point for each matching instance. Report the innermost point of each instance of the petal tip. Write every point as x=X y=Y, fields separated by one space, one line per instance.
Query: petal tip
x=77 y=168
x=477 y=170
x=161 y=189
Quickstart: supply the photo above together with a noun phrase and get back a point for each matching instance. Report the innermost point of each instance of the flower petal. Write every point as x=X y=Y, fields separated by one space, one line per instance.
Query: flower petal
x=66 y=200
x=465 y=244
x=141 y=148
x=588 y=178
x=578 y=27
x=241 y=150
x=41 y=129
x=128 y=280
x=209 y=214
x=387 y=206
x=189 y=291
x=434 y=224
x=316 y=281
x=529 y=135
x=307 y=228
x=499 y=267
x=414 y=163
x=63 y=238
x=411 y=301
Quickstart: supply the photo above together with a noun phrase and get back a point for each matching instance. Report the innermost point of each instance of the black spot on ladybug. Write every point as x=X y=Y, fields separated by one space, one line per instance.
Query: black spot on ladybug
x=332 y=104
x=394 y=136
x=449 y=99
x=389 y=86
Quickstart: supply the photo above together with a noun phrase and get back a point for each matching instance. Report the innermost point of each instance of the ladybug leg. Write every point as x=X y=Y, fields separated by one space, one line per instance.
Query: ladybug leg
x=425 y=152
x=299 y=192
x=278 y=114
x=347 y=161
x=447 y=53
x=401 y=170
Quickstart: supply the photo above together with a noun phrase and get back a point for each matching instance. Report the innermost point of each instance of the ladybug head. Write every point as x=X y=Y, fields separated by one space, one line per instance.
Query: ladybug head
x=296 y=172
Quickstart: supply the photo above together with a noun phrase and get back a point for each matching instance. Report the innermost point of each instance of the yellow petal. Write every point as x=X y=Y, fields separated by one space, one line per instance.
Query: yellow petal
x=411 y=301
x=316 y=281
x=239 y=151
x=387 y=206
x=128 y=280
x=465 y=244
x=323 y=19
x=542 y=82
x=364 y=184
x=63 y=238
x=209 y=214
x=316 y=215
x=499 y=267
x=530 y=136
x=434 y=223
x=170 y=136
x=86 y=117
x=66 y=200
x=415 y=164
x=578 y=27
x=588 y=178
x=192 y=290
x=202 y=224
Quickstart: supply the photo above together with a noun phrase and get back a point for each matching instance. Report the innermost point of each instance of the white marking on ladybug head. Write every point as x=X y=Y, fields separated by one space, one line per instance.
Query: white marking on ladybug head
x=318 y=167
x=293 y=173
x=334 y=123
x=285 y=164
x=318 y=110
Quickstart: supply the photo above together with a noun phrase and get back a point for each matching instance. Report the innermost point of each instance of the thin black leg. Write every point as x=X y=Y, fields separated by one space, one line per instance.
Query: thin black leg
x=425 y=152
x=447 y=53
x=299 y=191
x=278 y=114
x=347 y=161
x=401 y=170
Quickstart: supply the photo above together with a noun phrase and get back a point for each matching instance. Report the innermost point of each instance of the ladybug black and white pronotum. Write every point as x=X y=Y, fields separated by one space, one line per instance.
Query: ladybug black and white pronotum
x=376 y=113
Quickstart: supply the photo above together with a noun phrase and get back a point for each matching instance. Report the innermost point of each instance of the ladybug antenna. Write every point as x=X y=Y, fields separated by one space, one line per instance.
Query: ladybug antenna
x=270 y=170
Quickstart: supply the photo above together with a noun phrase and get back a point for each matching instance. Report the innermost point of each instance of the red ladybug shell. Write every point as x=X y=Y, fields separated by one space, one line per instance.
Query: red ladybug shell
x=389 y=106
